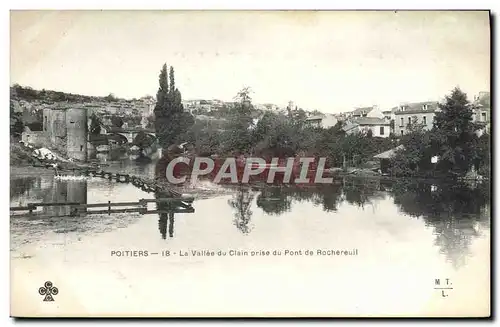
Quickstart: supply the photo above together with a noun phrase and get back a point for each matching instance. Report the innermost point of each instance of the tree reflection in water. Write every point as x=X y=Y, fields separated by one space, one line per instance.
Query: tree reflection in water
x=274 y=201
x=457 y=212
x=20 y=186
x=241 y=201
x=166 y=217
x=359 y=192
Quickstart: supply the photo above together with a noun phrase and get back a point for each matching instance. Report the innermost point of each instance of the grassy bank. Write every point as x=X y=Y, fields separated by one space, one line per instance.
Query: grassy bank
x=20 y=156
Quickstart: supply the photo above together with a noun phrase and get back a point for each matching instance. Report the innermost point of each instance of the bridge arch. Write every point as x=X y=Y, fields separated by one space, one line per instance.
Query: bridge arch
x=145 y=139
x=153 y=136
x=118 y=137
x=131 y=134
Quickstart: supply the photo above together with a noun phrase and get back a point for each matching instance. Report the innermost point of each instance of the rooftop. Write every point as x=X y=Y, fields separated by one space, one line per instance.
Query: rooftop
x=360 y=111
x=389 y=153
x=370 y=121
x=317 y=117
x=417 y=107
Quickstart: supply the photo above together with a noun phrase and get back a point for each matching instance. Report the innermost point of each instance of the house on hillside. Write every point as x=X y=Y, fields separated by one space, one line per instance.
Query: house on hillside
x=385 y=158
x=379 y=127
x=406 y=113
x=482 y=111
x=372 y=111
x=387 y=114
x=325 y=121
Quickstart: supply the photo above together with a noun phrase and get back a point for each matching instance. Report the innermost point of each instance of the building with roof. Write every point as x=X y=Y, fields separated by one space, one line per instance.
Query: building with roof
x=482 y=111
x=385 y=158
x=379 y=127
x=325 y=121
x=372 y=111
x=411 y=113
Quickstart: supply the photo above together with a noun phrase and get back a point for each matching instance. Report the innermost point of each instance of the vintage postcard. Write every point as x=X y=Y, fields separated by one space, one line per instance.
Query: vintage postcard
x=250 y=163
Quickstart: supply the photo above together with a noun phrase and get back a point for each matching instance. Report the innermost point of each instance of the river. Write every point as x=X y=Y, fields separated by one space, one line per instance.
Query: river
x=398 y=238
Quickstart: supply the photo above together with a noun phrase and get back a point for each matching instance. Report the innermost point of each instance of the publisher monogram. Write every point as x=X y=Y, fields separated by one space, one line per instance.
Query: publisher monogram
x=48 y=290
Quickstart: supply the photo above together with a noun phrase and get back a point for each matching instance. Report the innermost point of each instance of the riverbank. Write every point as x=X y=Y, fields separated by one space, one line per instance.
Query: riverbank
x=19 y=155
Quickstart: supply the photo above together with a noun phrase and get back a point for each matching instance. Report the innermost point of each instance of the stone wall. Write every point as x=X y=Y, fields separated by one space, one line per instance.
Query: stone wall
x=76 y=133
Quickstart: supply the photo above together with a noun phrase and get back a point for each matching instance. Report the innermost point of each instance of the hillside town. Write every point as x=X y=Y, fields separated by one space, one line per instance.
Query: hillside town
x=130 y=125
x=382 y=122
x=232 y=163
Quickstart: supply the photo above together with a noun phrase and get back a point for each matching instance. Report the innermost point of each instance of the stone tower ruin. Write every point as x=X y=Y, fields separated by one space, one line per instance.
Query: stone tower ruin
x=66 y=129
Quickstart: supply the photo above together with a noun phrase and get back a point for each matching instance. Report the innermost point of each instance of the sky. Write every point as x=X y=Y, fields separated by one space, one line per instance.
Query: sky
x=332 y=61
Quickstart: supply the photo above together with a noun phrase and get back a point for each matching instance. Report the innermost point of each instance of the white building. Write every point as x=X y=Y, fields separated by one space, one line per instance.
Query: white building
x=325 y=121
x=379 y=127
x=372 y=111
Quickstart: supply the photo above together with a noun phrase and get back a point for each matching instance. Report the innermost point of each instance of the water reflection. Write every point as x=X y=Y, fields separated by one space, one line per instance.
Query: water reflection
x=360 y=193
x=241 y=203
x=22 y=186
x=166 y=217
x=274 y=201
x=123 y=162
x=456 y=212
x=50 y=190
x=60 y=218
x=166 y=223
x=65 y=191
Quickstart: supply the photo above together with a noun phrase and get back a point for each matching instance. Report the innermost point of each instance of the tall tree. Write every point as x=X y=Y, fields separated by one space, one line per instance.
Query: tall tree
x=415 y=156
x=171 y=122
x=172 y=80
x=455 y=138
x=237 y=138
x=162 y=107
x=162 y=94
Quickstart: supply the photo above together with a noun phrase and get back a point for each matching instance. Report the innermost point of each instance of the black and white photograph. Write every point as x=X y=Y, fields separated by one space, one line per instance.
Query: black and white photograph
x=250 y=163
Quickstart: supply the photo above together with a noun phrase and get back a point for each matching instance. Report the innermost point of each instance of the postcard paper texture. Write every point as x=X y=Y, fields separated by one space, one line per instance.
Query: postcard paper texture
x=250 y=163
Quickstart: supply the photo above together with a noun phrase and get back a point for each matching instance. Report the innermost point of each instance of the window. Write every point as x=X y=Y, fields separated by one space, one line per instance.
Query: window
x=409 y=120
x=425 y=120
x=81 y=147
x=402 y=133
x=402 y=122
x=483 y=116
x=45 y=125
x=381 y=130
x=425 y=106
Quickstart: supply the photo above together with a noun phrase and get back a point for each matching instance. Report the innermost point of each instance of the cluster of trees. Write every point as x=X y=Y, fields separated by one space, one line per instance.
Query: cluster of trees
x=454 y=141
x=281 y=134
x=29 y=94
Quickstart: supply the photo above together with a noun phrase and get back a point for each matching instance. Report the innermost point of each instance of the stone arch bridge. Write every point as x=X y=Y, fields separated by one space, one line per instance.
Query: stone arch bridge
x=128 y=135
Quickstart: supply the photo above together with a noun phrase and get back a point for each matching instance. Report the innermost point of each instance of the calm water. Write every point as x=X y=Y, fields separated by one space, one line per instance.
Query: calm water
x=406 y=235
